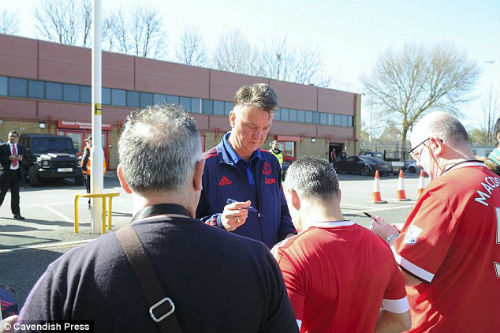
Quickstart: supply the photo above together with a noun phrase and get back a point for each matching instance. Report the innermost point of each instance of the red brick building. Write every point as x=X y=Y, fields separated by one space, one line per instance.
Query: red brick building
x=45 y=88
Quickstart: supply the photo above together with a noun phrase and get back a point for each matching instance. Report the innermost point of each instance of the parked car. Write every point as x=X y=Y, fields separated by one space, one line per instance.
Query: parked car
x=50 y=156
x=411 y=166
x=363 y=165
x=375 y=154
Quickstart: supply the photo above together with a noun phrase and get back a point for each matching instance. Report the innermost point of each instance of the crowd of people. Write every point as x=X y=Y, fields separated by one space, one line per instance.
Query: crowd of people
x=219 y=243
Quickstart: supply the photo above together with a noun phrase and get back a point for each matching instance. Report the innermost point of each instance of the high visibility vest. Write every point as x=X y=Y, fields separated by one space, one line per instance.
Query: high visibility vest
x=279 y=156
x=89 y=166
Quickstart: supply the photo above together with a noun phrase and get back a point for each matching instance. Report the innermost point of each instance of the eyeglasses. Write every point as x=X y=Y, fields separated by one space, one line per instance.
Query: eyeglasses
x=415 y=155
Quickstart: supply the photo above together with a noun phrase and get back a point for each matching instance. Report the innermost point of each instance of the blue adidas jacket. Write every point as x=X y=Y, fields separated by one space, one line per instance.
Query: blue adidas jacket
x=227 y=176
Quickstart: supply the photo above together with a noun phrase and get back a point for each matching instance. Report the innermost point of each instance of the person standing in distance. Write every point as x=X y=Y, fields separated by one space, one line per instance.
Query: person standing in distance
x=340 y=276
x=11 y=173
x=238 y=170
x=216 y=281
x=449 y=247
x=86 y=164
x=276 y=151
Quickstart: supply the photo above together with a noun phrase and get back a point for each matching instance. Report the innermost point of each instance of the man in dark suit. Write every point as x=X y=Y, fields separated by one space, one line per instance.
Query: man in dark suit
x=11 y=159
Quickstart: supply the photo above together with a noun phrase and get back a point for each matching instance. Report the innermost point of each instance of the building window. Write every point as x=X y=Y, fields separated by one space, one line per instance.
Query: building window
x=323 y=118
x=315 y=116
x=35 y=89
x=71 y=93
x=186 y=103
x=132 y=99
x=331 y=119
x=228 y=106
x=196 y=105
x=53 y=91
x=85 y=94
x=344 y=120
x=106 y=96
x=207 y=106
x=285 y=114
x=309 y=117
x=277 y=115
x=159 y=99
x=219 y=107
x=3 y=86
x=146 y=99
x=289 y=151
x=118 y=97
x=17 y=87
x=338 y=120
x=301 y=116
x=293 y=115
x=172 y=99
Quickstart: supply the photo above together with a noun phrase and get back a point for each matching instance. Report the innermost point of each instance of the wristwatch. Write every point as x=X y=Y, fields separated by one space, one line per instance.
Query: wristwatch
x=391 y=237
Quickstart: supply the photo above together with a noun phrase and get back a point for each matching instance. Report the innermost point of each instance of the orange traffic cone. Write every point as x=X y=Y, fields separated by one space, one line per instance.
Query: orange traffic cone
x=421 y=183
x=400 y=192
x=377 y=198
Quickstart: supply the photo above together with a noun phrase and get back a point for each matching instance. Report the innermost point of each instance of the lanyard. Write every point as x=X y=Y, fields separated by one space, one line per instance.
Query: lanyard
x=462 y=162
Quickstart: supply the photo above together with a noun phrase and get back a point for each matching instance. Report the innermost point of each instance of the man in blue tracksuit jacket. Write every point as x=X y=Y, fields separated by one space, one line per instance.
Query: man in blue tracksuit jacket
x=239 y=170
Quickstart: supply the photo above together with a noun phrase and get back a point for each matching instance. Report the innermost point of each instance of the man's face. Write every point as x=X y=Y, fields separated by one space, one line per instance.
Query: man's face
x=250 y=126
x=13 y=138
x=425 y=156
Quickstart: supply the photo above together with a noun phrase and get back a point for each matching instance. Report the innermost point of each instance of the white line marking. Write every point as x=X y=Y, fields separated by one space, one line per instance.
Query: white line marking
x=48 y=245
x=64 y=217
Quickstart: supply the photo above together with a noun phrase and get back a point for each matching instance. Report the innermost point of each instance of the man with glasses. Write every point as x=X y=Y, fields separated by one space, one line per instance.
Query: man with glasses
x=449 y=247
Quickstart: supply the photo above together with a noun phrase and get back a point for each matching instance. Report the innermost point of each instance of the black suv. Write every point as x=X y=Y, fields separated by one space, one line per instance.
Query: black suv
x=50 y=156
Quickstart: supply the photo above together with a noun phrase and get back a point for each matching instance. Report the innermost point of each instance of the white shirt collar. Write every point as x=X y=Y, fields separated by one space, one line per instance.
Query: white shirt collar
x=329 y=224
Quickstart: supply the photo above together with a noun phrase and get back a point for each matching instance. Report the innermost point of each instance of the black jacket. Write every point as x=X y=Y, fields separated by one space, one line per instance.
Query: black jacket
x=4 y=157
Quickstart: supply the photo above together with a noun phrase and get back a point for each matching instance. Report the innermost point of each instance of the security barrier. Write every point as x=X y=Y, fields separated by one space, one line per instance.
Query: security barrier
x=97 y=195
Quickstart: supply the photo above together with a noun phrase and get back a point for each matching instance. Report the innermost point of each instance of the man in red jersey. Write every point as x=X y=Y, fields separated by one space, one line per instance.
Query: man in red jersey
x=449 y=248
x=339 y=276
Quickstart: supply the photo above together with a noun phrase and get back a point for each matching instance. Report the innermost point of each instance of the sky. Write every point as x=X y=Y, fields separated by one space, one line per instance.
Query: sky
x=350 y=34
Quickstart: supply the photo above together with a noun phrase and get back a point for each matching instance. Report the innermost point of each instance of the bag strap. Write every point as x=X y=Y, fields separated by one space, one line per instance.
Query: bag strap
x=162 y=308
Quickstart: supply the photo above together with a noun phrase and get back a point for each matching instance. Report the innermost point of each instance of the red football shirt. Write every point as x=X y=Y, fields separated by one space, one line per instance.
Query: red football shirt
x=451 y=239
x=338 y=275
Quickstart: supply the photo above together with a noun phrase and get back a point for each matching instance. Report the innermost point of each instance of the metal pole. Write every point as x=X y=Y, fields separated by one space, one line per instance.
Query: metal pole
x=97 y=154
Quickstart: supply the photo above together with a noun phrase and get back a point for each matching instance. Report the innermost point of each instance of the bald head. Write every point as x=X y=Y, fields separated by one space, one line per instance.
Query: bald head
x=440 y=125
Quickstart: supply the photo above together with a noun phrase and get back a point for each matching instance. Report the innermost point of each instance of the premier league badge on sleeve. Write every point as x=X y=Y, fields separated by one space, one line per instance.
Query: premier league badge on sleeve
x=412 y=235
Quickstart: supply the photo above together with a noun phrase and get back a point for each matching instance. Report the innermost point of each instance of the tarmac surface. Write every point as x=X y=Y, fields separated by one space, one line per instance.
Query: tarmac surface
x=27 y=247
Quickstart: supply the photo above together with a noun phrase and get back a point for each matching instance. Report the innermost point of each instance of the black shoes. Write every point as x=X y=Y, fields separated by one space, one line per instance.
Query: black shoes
x=18 y=217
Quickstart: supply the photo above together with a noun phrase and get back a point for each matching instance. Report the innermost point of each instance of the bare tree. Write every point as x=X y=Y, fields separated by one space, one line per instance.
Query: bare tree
x=488 y=117
x=235 y=54
x=9 y=24
x=66 y=22
x=191 y=50
x=308 y=68
x=300 y=65
x=276 y=58
x=138 y=33
x=405 y=84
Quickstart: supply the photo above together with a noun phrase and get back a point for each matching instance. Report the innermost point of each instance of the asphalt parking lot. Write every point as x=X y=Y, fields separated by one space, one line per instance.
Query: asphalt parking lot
x=28 y=246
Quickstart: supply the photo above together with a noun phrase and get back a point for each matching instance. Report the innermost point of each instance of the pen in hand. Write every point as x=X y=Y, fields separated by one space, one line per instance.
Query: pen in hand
x=250 y=208
x=369 y=215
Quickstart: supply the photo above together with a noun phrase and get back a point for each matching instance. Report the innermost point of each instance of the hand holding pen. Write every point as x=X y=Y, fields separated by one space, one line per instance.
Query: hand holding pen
x=235 y=213
x=382 y=228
